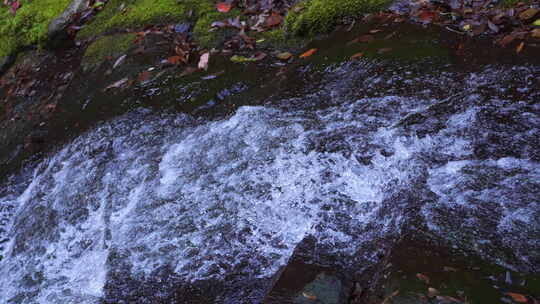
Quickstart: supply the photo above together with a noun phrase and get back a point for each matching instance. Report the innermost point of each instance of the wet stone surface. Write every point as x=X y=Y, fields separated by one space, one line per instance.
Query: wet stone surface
x=333 y=171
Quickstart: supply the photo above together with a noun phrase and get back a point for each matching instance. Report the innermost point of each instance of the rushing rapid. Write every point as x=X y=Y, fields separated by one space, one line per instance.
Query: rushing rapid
x=152 y=195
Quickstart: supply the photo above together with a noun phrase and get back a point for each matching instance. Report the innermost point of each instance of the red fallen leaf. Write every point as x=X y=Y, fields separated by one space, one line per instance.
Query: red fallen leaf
x=259 y=56
x=174 y=59
x=223 y=7
x=144 y=76
x=517 y=297
x=427 y=16
x=519 y=48
x=357 y=55
x=507 y=40
x=274 y=20
x=366 y=38
x=14 y=7
x=308 y=53
x=423 y=277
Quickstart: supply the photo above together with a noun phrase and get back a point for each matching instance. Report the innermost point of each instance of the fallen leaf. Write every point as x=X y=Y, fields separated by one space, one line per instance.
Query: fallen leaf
x=309 y=296
x=14 y=7
x=308 y=53
x=448 y=268
x=537 y=22
x=203 y=62
x=274 y=20
x=174 y=60
x=241 y=59
x=389 y=36
x=366 y=38
x=143 y=76
x=493 y=27
x=467 y=27
x=535 y=33
x=284 y=56
x=117 y=84
x=517 y=297
x=259 y=56
x=119 y=61
x=223 y=7
x=375 y=31
x=423 y=277
x=188 y=71
x=448 y=299
x=507 y=40
x=519 y=48
x=528 y=14
x=432 y=292
x=389 y=298
x=357 y=55
x=427 y=16
x=384 y=50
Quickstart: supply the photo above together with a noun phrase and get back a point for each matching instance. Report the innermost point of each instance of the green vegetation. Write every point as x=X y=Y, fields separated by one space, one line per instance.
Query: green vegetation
x=319 y=16
x=206 y=15
x=29 y=25
x=108 y=46
x=119 y=14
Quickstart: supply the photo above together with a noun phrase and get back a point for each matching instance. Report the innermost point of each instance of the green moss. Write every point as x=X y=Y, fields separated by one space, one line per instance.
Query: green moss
x=207 y=14
x=119 y=14
x=29 y=25
x=108 y=46
x=319 y=16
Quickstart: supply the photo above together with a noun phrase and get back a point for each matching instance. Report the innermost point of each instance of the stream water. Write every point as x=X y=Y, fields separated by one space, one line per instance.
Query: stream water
x=148 y=205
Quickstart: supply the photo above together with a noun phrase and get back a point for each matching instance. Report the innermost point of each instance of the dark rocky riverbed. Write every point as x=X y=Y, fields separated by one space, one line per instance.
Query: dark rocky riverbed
x=327 y=180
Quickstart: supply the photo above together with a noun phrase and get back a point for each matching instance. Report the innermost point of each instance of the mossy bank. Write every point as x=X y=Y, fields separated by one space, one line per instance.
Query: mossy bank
x=29 y=25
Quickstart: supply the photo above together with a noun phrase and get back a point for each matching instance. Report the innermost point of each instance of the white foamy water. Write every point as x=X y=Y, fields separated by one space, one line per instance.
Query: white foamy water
x=233 y=198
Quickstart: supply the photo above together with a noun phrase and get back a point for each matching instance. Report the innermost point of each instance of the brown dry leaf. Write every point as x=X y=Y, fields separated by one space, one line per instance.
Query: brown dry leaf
x=423 y=277
x=284 y=56
x=507 y=40
x=528 y=14
x=517 y=297
x=188 y=71
x=308 y=53
x=389 y=298
x=366 y=38
x=432 y=292
x=203 y=62
x=274 y=20
x=389 y=36
x=536 y=33
x=519 y=48
x=144 y=76
x=357 y=55
x=309 y=296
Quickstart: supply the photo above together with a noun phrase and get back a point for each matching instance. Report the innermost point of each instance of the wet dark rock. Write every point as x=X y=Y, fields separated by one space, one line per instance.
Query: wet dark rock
x=58 y=26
